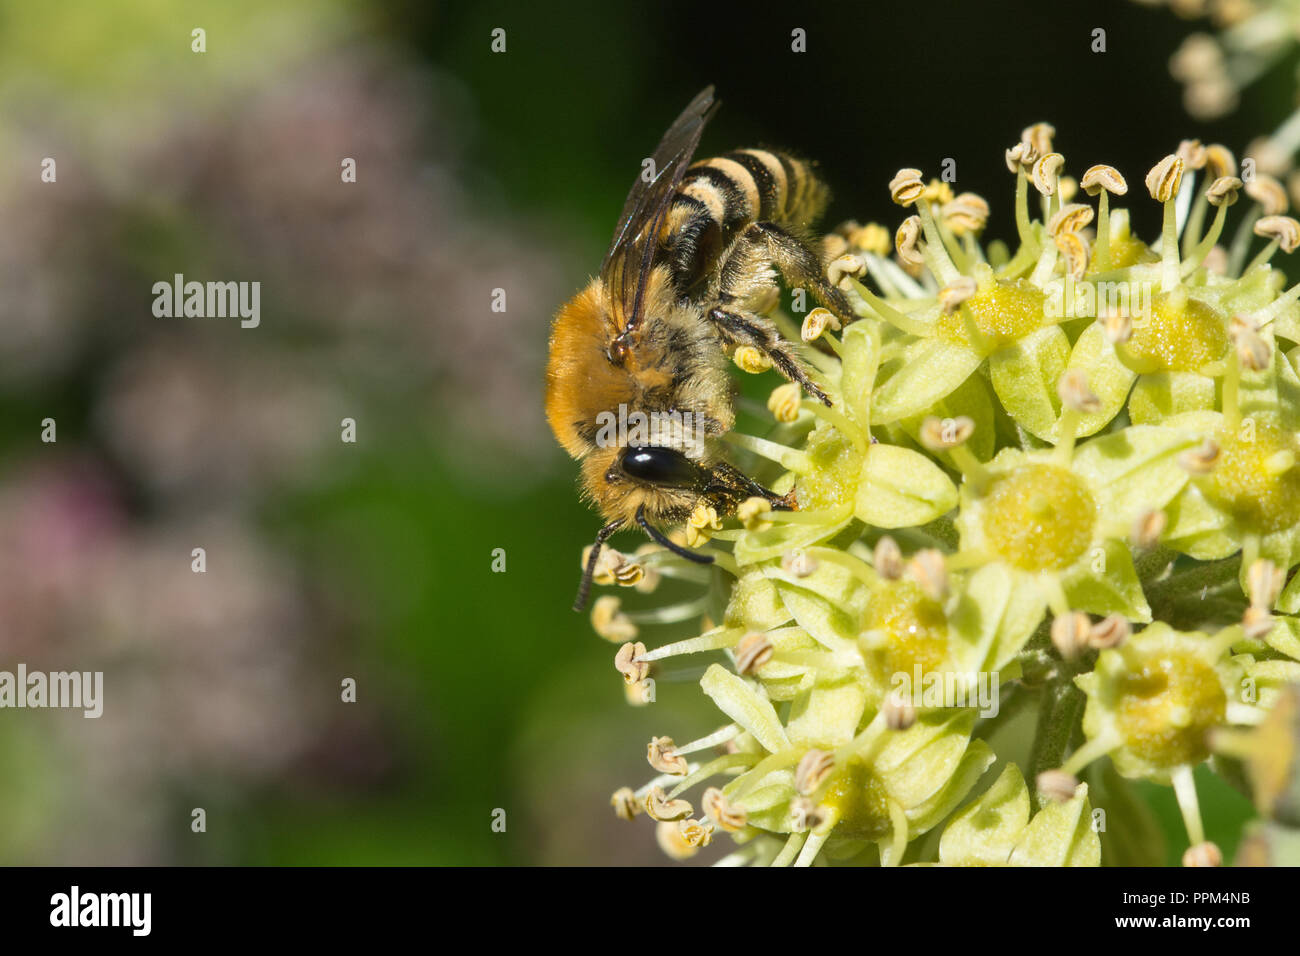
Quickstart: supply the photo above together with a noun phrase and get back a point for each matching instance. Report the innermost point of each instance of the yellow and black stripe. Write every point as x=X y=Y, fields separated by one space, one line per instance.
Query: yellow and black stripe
x=718 y=197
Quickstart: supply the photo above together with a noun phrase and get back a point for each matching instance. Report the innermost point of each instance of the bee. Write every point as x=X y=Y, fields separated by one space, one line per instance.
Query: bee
x=691 y=268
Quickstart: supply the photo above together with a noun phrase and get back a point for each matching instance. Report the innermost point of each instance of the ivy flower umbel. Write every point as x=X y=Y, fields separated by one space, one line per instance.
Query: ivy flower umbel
x=1011 y=491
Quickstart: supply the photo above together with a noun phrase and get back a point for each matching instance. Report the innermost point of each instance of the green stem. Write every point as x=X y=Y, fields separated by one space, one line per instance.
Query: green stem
x=1058 y=713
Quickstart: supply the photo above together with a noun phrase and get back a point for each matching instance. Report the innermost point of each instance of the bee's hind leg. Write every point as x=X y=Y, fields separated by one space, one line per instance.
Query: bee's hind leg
x=746 y=329
x=797 y=262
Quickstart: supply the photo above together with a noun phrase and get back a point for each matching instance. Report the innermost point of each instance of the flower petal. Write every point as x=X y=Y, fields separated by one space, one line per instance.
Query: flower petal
x=1025 y=375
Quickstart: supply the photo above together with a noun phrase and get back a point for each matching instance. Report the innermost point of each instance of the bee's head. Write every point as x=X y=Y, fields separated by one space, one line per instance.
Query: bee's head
x=642 y=485
x=664 y=481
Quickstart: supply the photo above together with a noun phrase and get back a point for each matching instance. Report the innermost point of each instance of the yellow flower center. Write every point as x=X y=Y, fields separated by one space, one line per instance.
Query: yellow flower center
x=1167 y=708
x=1125 y=251
x=833 y=481
x=1039 y=517
x=914 y=625
x=1003 y=312
x=1181 y=335
x=1256 y=478
x=862 y=801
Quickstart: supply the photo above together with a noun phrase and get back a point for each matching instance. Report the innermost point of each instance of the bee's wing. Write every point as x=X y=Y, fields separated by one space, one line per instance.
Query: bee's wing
x=626 y=268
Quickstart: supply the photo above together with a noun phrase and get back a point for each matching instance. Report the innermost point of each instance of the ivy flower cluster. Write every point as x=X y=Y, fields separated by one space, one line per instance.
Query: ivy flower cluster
x=1042 y=542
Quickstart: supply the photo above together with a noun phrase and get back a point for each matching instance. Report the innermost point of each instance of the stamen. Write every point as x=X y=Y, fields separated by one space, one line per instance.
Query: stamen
x=784 y=402
x=936 y=253
x=753 y=513
x=1147 y=529
x=626 y=805
x=1070 y=632
x=827 y=516
x=849 y=429
x=1282 y=232
x=725 y=814
x=928 y=568
x=950 y=435
x=1111 y=631
x=659 y=807
x=664 y=758
x=719 y=736
x=608 y=620
x=887 y=559
x=791 y=849
x=1090 y=751
x=752 y=652
x=1162 y=183
x=813 y=770
x=855 y=566
x=1185 y=791
x=1203 y=854
x=628 y=663
x=713 y=641
x=886 y=312
x=1221 y=194
x=671 y=613
x=1101 y=181
x=1077 y=399
x=1057 y=785
x=788 y=458
x=713 y=768
x=811 y=847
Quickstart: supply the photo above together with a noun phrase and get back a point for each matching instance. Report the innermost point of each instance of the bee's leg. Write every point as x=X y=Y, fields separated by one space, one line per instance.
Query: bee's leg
x=747 y=329
x=584 y=589
x=734 y=485
x=798 y=263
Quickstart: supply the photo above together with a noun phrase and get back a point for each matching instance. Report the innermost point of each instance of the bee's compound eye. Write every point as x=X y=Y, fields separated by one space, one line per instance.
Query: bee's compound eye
x=660 y=466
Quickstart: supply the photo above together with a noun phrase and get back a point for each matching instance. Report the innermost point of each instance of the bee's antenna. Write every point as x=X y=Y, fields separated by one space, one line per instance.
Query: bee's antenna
x=584 y=589
x=671 y=545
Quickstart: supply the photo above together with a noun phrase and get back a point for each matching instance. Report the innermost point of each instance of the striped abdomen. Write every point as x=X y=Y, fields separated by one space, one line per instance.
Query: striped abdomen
x=719 y=197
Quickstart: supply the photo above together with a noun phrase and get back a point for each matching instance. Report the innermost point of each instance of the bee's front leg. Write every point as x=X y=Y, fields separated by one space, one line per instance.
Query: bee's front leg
x=733 y=486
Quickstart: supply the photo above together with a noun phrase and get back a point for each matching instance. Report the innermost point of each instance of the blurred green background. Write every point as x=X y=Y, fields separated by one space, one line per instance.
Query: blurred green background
x=373 y=560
